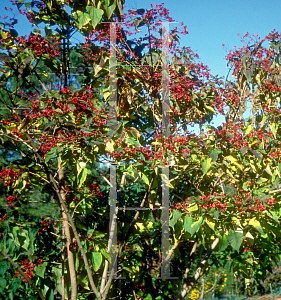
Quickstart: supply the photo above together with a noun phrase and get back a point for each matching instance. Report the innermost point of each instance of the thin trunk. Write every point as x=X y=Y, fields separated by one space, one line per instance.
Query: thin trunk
x=62 y=258
x=189 y=282
x=203 y=287
x=66 y=229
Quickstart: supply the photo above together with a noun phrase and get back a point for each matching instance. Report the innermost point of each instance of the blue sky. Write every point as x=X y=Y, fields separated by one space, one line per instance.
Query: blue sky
x=210 y=24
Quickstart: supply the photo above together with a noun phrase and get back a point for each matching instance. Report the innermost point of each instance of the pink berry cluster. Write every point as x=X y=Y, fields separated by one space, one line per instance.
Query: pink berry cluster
x=46 y=224
x=40 y=45
x=29 y=268
x=9 y=176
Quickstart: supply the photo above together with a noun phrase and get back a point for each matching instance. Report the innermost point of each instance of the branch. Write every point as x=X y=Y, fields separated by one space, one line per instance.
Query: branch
x=22 y=273
x=188 y=284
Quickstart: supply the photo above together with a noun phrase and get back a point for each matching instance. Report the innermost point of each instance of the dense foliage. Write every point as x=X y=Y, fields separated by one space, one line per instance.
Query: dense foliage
x=59 y=133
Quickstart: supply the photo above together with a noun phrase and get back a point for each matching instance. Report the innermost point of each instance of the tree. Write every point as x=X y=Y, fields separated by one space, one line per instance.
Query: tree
x=224 y=185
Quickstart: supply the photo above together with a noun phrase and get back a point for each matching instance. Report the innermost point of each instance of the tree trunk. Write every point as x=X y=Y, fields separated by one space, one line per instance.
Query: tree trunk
x=66 y=229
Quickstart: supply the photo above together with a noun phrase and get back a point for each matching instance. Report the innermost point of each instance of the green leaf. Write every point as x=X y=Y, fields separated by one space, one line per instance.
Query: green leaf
x=51 y=295
x=148 y=297
x=223 y=243
x=23 y=239
x=109 y=8
x=187 y=224
x=256 y=224
x=83 y=18
x=193 y=208
x=105 y=253
x=40 y=271
x=195 y=226
x=273 y=128
x=133 y=142
x=51 y=154
x=96 y=260
x=235 y=240
x=214 y=154
x=145 y=178
x=210 y=108
x=175 y=217
x=206 y=164
x=82 y=177
x=95 y=15
x=3 y=282
x=248 y=130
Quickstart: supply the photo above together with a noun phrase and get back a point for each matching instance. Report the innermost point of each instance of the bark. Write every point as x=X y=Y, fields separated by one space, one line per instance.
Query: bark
x=67 y=233
x=189 y=283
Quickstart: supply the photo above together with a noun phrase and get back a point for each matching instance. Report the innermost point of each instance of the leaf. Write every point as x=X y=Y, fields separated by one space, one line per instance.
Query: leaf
x=138 y=22
x=40 y=271
x=109 y=8
x=210 y=108
x=83 y=18
x=51 y=154
x=248 y=130
x=235 y=240
x=223 y=243
x=249 y=236
x=140 y=11
x=256 y=224
x=133 y=142
x=187 y=223
x=268 y=170
x=243 y=150
x=273 y=128
x=175 y=217
x=109 y=146
x=13 y=33
x=3 y=282
x=214 y=154
x=193 y=208
x=150 y=57
x=206 y=164
x=82 y=177
x=105 y=253
x=51 y=295
x=257 y=154
x=95 y=15
x=148 y=297
x=96 y=260
x=195 y=226
x=145 y=178
x=99 y=67
x=211 y=224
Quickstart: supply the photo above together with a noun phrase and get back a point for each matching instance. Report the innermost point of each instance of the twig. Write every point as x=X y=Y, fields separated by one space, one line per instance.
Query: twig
x=22 y=273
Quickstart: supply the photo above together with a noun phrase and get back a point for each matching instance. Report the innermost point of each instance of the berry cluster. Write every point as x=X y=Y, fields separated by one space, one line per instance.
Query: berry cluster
x=142 y=290
x=246 y=245
x=209 y=202
x=246 y=203
x=46 y=224
x=29 y=268
x=40 y=45
x=95 y=190
x=9 y=176
x=10 y=199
